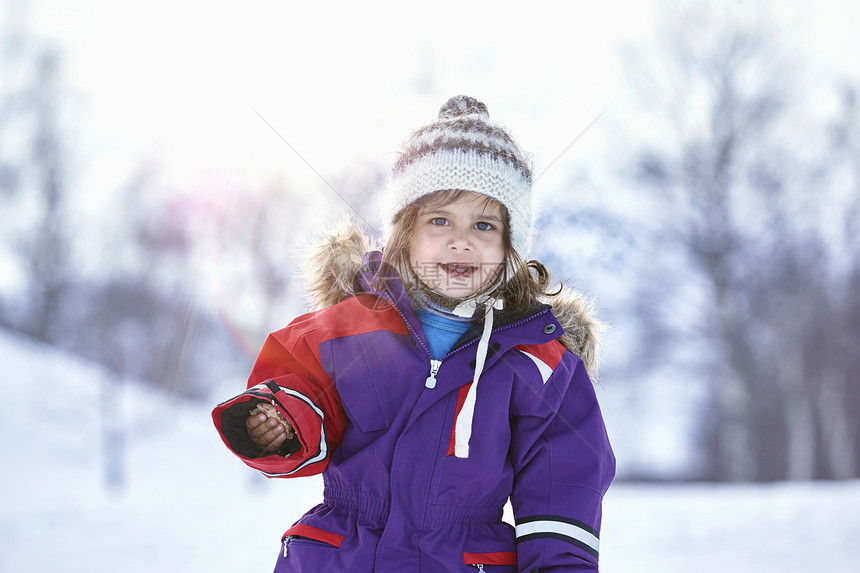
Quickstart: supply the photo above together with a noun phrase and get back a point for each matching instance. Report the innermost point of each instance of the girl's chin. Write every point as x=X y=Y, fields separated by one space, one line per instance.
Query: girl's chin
x=447 y=297
x=450 y=292
x=456 y=295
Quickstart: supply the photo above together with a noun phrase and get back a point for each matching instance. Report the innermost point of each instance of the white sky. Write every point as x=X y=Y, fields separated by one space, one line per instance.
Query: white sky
x=348 y=79
x=177 y=81
x=338 y=81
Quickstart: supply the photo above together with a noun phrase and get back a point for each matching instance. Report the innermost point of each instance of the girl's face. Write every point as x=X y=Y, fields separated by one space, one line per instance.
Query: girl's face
x=457 y=249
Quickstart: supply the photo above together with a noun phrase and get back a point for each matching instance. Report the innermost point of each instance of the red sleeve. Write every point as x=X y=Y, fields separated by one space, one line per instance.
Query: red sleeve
x=288 y=375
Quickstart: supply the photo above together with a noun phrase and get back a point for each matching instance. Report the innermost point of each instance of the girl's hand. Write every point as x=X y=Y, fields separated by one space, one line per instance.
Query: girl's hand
x=268 y=433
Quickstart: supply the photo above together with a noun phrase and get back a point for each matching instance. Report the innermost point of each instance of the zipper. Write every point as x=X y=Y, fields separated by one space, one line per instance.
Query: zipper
x=409 y=327
x=287 y=540
x=430 y=382
x=434 y=369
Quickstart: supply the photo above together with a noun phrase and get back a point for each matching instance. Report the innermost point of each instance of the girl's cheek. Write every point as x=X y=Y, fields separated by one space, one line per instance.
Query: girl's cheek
x=489 y=271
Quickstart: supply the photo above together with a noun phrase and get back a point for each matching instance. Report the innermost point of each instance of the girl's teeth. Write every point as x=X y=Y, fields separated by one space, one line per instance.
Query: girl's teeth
x=458 y=270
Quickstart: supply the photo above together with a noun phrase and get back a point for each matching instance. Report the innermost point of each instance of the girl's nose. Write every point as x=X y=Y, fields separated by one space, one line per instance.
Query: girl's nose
x=459 y=241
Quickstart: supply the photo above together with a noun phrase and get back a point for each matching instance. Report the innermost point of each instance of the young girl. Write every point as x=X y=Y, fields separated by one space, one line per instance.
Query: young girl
x=432 y=384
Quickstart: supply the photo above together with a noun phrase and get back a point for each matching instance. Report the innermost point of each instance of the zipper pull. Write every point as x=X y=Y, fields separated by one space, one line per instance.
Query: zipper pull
x=287 y=540
x=434 y=368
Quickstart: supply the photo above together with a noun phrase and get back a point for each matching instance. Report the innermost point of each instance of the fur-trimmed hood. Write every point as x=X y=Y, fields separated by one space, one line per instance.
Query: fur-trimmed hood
x=330 y=268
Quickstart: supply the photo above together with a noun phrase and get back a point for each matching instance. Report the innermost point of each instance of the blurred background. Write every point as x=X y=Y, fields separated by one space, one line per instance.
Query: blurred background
x=163 y=164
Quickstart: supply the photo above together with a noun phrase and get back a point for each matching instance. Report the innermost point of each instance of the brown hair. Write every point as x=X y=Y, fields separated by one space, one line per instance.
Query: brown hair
x=522 y=282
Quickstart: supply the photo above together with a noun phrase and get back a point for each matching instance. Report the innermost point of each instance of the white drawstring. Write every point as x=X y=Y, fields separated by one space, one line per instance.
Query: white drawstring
x=465 y=309
x=463 y=426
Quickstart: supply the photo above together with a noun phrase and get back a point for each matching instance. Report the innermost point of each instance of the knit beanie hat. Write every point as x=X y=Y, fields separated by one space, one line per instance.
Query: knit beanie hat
x=464 y=150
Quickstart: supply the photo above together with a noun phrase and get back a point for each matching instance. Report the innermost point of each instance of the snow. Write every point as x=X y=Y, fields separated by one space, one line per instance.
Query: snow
x=189 y=505
x=785 y=528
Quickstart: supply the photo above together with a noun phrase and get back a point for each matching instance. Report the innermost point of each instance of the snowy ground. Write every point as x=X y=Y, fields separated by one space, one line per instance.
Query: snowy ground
x=189 y=506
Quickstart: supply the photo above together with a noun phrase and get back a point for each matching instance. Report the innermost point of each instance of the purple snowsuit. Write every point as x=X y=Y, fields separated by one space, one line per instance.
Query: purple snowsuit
x=352 y=380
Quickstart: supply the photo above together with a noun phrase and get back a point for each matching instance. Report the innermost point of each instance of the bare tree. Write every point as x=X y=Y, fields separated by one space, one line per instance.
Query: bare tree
x=836 y=340
x=33 y=175
x=47 y=248
x=737 y=226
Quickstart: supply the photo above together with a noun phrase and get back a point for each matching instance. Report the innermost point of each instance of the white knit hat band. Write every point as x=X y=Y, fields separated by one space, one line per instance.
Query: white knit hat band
x=466 y=171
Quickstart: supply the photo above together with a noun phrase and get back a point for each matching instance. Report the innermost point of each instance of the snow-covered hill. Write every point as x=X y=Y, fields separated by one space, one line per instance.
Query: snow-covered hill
x=189 y=506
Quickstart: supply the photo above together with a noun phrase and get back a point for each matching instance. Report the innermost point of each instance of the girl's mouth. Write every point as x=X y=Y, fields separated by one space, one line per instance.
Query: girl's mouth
x=458 y=270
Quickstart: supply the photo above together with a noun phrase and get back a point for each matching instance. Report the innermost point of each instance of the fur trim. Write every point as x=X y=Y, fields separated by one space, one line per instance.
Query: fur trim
x=330 y=267
x=582 y=328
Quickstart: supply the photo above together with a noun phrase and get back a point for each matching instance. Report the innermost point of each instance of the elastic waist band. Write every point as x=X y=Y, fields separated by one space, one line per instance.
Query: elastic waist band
x=371 y=506
x=436 y=515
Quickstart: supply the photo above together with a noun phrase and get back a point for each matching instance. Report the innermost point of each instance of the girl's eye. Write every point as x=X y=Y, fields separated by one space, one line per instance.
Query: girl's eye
x=438 y=221
x=484 y=226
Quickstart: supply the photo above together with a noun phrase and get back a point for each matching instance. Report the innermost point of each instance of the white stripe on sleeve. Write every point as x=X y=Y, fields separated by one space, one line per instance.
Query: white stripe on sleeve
x=559 y=528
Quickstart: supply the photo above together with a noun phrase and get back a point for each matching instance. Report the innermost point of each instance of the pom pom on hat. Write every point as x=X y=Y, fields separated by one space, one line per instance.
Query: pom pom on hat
x=464 y=150
x=462 y=105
